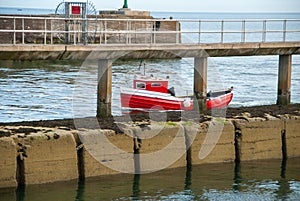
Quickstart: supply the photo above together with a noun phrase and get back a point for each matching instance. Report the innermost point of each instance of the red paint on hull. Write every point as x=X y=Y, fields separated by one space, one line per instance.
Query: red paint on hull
x=136 y=101
x=219 y=102
x=143 y=99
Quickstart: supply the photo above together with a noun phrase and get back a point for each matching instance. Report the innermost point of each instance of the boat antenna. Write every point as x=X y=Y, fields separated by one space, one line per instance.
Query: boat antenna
x=140 y=64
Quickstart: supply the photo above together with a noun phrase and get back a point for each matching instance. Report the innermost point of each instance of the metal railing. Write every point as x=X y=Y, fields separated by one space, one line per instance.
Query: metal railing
x=51 y=30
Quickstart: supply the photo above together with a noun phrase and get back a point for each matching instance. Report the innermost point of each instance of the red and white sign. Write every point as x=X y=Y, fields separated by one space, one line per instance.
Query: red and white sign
x=75 y=10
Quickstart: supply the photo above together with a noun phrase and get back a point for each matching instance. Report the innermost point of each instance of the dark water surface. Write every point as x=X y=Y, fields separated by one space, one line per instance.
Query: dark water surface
x=259 y=180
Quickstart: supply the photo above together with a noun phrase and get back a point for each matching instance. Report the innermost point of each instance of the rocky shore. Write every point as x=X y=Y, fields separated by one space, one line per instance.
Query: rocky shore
x=58 y=150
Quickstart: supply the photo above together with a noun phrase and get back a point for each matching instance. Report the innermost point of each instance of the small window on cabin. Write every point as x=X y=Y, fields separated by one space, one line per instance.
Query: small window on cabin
x=140 y=85
x=156 y=85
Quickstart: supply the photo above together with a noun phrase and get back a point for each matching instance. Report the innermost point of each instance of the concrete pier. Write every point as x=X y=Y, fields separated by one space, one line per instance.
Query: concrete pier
x=49 y=152
x=200 y=82
x=284 y=80
x=104 y=88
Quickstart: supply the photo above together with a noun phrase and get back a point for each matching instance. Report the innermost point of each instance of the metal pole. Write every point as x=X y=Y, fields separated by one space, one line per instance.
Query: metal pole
x=67 y=15
x=84 y=24
x=125 y=4
x=51 y=40
x=199 y=38
x=284 y=30
x=23 y=28
x=264 y=36
x=14 y=40
x=222 y=31
x=45 y=33
x=243 y=31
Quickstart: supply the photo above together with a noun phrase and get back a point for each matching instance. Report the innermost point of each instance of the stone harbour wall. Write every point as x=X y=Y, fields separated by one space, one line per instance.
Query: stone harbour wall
x=8 y=162
x=35 y=155
x=259 y=138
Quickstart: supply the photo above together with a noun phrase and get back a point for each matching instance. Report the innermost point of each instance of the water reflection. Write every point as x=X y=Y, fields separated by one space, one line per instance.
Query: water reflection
x=259 y=180
x=136 y=187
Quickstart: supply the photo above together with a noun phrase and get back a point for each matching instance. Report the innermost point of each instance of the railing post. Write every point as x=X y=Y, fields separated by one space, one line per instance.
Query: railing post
x=264 y=34
x=151 y=33
x=51 y=35
x=14 y=39
x=199 y=37
x=100 y=32
x=129 y=36
x=105 y=35
x=243 y=39
x=284 y=30
x=222 y=32
x=45 y=33
x=154 y=32
x=126 y=35
x=177 y=33
x=74 y=29
x=23 y=35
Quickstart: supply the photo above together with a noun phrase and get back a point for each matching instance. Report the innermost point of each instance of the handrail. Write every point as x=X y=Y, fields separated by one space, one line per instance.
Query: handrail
x=53 y=30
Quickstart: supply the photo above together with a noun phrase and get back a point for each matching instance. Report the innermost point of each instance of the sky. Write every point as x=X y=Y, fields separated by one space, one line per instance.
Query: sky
x=174 y=5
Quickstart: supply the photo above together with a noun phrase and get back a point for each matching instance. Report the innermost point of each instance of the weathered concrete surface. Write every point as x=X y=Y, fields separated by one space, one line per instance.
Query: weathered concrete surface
x=213 y=138
x=8 y=162
x=50 y=156
x=161 y=145
x=259 y=138
x=95 y=52
x=100 y=160
x=292 y=128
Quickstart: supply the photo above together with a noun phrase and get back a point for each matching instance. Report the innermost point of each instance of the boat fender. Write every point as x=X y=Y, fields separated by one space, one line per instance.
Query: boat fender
x=186 y=103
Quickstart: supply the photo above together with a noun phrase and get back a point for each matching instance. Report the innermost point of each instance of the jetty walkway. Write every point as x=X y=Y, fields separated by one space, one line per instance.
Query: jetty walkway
x=105 y=40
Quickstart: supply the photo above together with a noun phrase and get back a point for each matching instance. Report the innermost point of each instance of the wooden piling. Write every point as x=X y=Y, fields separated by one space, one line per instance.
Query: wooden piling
x=284 y=80
x=104 y=88
x=200 y=82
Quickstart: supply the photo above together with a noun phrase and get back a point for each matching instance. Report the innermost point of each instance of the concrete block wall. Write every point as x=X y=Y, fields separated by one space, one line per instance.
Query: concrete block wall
x=162 y=145
x=47 y=157
x=43 y=155
x=292 y=132
x=95 y=156
x=259 y=138
x=8 y=163
x=213 y=139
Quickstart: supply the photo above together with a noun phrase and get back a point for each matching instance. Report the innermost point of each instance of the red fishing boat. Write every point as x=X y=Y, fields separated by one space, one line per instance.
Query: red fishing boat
x=153 y=94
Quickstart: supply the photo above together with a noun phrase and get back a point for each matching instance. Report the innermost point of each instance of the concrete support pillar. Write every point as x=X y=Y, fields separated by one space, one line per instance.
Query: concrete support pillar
x=284 y=80
x=200 y=82
x=104 y=88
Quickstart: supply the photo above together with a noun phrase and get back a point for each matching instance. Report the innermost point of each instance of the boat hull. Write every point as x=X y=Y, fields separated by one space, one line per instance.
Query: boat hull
x=219 y=102
x=142 y=99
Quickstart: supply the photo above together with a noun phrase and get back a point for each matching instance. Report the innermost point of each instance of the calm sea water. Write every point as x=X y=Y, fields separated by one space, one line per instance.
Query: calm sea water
x=260 y=180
